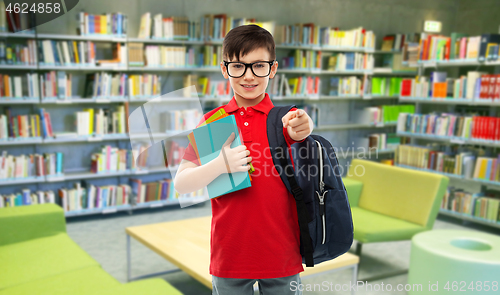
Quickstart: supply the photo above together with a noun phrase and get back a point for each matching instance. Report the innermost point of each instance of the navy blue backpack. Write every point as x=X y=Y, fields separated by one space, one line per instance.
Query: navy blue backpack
x=324 y=213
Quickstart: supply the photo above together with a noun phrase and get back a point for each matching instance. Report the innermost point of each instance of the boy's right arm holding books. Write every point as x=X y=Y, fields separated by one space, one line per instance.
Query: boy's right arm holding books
x=190 y=177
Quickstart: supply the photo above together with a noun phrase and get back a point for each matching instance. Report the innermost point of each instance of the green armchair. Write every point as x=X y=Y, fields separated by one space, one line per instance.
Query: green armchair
x=38 y=257
x=391 y=203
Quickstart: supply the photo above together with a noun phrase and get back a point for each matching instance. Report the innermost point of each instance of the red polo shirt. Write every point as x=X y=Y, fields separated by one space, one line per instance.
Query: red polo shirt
x=255 y=232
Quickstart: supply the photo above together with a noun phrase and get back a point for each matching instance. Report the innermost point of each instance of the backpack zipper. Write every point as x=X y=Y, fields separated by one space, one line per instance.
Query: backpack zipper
x=323 y=192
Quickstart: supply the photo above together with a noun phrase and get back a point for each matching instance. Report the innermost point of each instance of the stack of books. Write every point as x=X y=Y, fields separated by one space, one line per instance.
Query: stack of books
x=207 y=140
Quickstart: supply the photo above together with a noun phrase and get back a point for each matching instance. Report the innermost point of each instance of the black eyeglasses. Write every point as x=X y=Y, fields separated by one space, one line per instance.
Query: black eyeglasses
x=236 y=69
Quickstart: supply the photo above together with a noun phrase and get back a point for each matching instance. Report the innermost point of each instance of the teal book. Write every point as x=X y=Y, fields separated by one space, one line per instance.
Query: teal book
x=209 y=140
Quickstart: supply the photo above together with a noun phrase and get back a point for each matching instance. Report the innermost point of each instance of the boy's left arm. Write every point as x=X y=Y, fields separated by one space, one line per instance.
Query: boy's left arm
x=297 y=126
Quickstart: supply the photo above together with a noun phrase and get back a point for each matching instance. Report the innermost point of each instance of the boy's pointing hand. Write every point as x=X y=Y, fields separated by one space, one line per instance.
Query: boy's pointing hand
x=298 y=124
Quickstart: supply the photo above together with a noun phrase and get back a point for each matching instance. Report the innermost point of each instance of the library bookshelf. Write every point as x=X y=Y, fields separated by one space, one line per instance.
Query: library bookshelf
x=78 y=173
x=452 y=103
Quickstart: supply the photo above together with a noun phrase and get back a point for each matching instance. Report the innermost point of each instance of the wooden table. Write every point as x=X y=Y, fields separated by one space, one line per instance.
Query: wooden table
x=186 y=244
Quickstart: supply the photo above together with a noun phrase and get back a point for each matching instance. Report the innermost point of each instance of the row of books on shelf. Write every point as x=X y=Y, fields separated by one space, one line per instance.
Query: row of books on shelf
x=378 y=141
x=108 y=159
x=54 y=52
x=382 y=114
x=475 y=85
x=13 y=54
x=483 y=205
x=31 y=165
x=27 y=126
x=90 y=121
x=168 y=56
x=216 y=26
x=469 y=163
x=100 y=121
x=113 y=159
x=71 y=53
x=280 y=85
x=350 y=61
x=451 y=125
x=305 y=59
x=311 y=34
x=396 y=42
x=379 y=86
x=61 y=53
x=310 y=86
x=155 y=191
x=166 y=28
x=12 y=21
x=207 y=87
x=457 y=46
x=173 y=56
x=60 y=85
x=85 y=196
x=19 y=86
x=345 y=86
x=102 y=24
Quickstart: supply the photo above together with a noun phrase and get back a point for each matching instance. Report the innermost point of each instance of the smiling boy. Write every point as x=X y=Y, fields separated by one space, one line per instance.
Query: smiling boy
x=254 y=234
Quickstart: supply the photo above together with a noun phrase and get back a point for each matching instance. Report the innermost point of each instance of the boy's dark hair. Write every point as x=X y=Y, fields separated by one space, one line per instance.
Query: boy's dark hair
x=245 y=39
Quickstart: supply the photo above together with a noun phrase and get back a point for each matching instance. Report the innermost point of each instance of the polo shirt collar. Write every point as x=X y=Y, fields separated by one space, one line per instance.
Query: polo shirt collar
x=264 y=106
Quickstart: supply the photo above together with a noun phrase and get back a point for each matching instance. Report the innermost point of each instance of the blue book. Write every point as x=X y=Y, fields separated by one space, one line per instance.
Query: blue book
x=104 y=196
x=26 y=199
x=477 y=88
x=209 y=140
x=91 y=24
x=164 y=188
x=59 y=160
x=54 y=51
x=119 y=24
x=488 y=169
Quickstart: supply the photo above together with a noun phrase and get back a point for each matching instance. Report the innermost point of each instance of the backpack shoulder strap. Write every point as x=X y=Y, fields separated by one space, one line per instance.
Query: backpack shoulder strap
x=282 y=162
x=276 y=138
